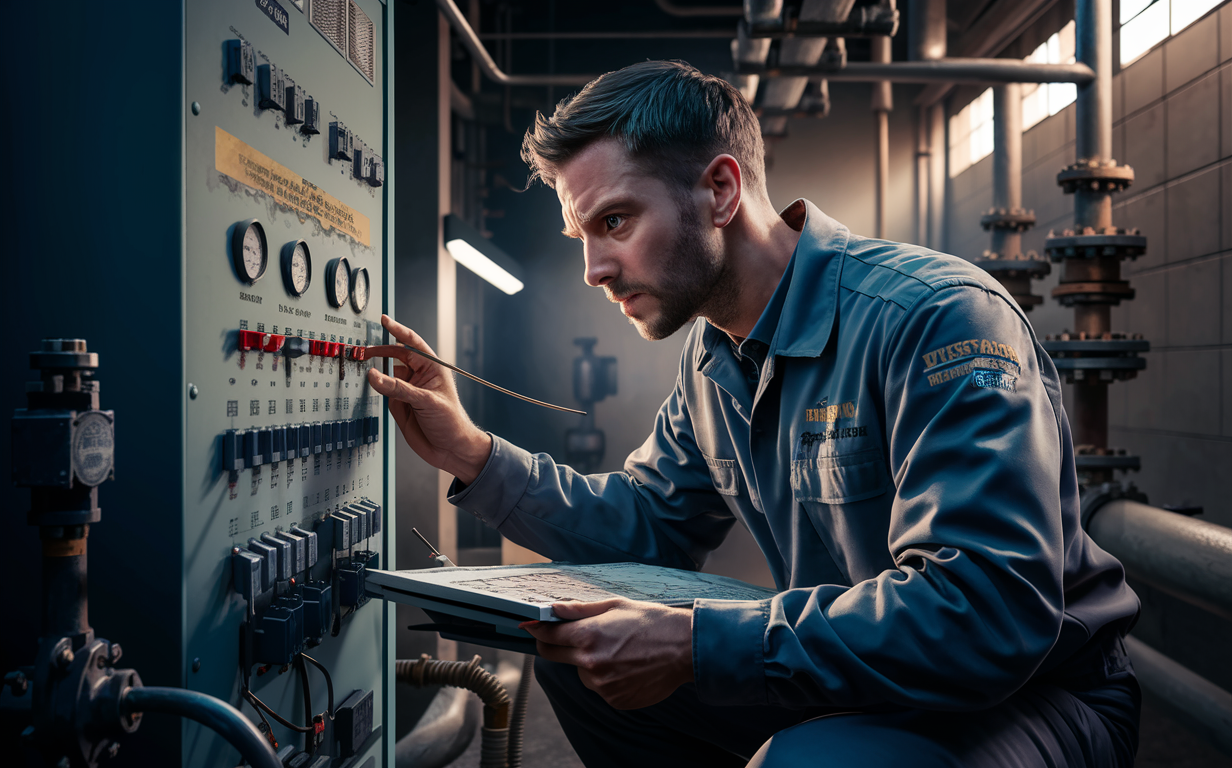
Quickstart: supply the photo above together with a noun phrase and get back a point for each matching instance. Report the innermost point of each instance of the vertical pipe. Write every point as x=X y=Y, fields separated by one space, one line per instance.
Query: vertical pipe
x=66 y=607
x=1093 y=209
x=936 y=177
x=926 y=42
x=883 y=102
x=1093 y=141
x=922 y=168
x=1007 y=163
x=883 y=171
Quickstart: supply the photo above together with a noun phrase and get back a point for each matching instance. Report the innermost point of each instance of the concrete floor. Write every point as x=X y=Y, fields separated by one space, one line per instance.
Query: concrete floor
x=1164 y=743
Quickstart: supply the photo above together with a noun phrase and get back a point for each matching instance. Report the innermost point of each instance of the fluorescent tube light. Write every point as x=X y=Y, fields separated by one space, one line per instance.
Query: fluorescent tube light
x=480 y=255
x=468 y=256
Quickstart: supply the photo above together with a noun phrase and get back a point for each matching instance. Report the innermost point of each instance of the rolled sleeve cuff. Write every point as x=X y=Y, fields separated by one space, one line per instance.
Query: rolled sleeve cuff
x=499 y=486
x=728 y=650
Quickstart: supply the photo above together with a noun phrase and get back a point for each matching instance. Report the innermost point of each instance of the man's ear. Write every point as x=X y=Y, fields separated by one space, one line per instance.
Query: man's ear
x=724 y=185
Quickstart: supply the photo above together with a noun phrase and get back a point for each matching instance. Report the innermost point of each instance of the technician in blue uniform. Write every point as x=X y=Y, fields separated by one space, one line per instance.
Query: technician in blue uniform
x=880 y=417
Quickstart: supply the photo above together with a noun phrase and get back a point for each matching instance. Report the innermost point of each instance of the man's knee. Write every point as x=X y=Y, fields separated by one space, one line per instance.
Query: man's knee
x=842 y=741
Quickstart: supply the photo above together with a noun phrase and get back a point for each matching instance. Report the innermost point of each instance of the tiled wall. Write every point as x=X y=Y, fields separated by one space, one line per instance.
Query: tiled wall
x=1173 y=124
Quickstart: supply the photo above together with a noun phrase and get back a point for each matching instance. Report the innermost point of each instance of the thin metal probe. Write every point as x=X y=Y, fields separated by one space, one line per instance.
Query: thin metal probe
x=473 y=377
x=427 y=543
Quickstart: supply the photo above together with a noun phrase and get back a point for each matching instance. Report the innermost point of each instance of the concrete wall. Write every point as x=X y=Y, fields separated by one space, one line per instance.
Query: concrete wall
x=1173 y=125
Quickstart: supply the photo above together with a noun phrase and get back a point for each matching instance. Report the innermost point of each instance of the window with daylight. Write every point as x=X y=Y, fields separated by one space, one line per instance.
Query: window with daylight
x=1145 y=23
x=971 y=134
x=1046 y=99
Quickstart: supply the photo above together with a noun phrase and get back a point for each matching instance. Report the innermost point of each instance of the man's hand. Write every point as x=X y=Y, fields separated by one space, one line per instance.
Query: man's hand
x=633 y=654
x=423 y=400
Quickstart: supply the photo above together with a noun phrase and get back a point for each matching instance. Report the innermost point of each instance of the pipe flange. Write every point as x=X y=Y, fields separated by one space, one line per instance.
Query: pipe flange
x=1010 y=219
x=1089 y=243
x=1093 y=292
x=1091 y=498
x=63 y=354
x=1096 y=176
x=1066 y=347
x=1011 y=265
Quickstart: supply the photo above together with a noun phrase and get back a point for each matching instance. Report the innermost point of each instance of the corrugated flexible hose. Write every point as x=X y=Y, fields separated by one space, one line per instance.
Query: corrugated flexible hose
x=494 y=744
x=517 y=721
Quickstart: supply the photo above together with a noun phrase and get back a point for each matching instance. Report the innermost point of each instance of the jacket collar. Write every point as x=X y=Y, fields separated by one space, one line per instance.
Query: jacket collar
x=807 y=308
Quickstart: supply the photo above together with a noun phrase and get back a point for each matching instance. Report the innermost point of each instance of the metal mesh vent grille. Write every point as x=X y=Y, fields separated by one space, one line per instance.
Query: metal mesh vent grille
x=361 y=48
x=329 y=16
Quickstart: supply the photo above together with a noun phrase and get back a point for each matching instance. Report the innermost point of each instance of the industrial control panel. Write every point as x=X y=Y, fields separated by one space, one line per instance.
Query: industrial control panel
x=202 y=189
x=285 y=502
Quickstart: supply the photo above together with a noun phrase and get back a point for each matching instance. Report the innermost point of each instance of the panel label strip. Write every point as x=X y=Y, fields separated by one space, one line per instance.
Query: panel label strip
x=246 y=165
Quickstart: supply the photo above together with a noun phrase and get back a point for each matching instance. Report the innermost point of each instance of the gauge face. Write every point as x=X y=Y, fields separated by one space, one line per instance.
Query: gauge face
x=248 y=251
x=296 y=267
x=338 y=285
x=359 y=289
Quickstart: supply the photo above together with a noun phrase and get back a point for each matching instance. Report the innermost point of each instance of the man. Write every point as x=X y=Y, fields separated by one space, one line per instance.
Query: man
x=880 y=417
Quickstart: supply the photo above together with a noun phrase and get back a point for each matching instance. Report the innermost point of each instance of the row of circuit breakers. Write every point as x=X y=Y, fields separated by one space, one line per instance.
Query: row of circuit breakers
x=290 y=588
x=247 y=448
x=276 y=90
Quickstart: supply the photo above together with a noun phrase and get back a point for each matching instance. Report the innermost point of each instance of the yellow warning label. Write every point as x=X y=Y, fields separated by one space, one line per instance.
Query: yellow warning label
x=248 y=166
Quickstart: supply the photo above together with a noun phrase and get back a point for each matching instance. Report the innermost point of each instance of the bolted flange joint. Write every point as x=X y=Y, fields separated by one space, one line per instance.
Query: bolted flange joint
x=1111 y=357
x=1095 y=176
x=1010 y=219
x=1089 y=243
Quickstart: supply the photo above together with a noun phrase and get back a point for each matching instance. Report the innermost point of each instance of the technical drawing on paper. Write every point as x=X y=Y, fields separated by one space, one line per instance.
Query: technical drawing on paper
x=552 y=583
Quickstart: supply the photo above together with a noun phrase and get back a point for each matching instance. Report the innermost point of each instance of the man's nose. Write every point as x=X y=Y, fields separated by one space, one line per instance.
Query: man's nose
x=601 y=266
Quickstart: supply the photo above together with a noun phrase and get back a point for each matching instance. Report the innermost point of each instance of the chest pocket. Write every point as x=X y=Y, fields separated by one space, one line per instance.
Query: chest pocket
x=839 y=479
x=724 y=475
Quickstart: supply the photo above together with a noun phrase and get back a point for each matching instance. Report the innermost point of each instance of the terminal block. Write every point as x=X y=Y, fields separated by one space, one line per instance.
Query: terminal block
x=271 y=87
x=241 y=65
x=341 y=141
x=312 y=117
x=353 y=722
x=294 y=103
x=318 y=598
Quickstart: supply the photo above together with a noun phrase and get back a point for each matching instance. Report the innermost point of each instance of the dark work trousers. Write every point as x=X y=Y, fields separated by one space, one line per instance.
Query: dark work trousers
x=1084 y=717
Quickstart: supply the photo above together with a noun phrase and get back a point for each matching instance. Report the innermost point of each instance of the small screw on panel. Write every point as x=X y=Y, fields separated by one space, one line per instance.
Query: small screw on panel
x=196 y=107
x=193 y=391
x=196 y=665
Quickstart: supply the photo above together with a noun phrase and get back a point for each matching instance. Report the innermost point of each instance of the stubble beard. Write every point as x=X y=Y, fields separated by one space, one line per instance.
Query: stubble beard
x=696 y=281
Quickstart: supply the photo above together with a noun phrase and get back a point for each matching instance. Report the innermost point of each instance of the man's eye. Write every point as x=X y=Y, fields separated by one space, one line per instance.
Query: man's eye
x=613 y=221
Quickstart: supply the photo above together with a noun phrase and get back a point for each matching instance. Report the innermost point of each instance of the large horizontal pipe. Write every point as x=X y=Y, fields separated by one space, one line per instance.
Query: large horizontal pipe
x=865 y=21
x=942 y=70
x=681 y=34
x=471 y=42
x=1192 y=699
x=699 y=10
x=1190 y=559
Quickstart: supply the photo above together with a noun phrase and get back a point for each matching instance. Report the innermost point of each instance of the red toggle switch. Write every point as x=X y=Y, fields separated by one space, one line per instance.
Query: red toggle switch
x=316 y=348
x=335 y=349
x=359 y=353
x=249 y=340
x=273 y=342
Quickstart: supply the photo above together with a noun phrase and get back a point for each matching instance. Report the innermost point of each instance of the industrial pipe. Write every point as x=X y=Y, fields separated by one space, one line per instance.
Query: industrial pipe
x=471 y=42
x=943 y=70
x=494 y=746
x=215 y=714
x=1191 y=698
x=883 y=103
x=672 y=9
x=1190 y=559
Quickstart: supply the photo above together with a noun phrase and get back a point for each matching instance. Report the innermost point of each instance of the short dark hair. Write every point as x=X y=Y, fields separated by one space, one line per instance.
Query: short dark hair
x=672 y=119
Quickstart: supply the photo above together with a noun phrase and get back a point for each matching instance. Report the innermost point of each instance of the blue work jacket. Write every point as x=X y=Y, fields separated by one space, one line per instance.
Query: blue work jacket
x=892 y=435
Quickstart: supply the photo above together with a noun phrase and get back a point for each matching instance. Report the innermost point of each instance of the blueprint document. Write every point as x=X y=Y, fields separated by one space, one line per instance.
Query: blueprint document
x=521 y=592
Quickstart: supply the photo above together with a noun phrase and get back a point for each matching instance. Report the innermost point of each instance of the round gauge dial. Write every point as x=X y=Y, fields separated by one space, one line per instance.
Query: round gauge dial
x=296 y=267
x=248 y=251
x=338 y=281
x=359 y=289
